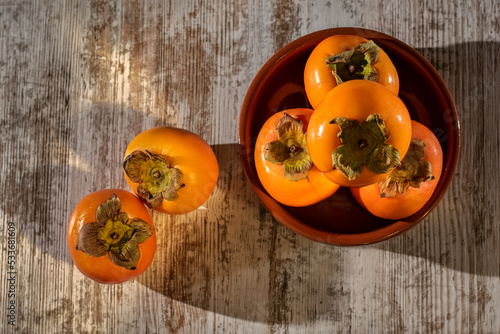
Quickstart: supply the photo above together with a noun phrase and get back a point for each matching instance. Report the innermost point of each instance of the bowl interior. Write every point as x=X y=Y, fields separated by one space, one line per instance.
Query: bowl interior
x=340 y=219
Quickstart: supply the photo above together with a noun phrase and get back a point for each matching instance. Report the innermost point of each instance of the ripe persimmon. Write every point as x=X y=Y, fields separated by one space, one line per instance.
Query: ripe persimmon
x=111 y=237
x=358 y=133
x=406 y=190
x=283 y=164
x=172 y=170
x=340 y=58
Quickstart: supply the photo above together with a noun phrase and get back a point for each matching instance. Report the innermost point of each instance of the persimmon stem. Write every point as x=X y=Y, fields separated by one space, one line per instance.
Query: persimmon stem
x=362 y=143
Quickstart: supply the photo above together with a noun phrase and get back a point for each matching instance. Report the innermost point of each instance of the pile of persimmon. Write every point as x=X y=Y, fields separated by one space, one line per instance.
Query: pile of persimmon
x=358 y=134
x=111 y=235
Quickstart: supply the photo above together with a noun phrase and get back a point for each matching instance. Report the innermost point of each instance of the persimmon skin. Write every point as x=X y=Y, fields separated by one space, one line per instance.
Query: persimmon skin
x=188 y=152
x=291 y=193
x=318 y=78
x=410 y=202
x=101 y=269
x=356 y=99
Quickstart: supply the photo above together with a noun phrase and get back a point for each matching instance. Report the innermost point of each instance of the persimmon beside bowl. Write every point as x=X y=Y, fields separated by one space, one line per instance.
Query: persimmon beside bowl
x=340 y=220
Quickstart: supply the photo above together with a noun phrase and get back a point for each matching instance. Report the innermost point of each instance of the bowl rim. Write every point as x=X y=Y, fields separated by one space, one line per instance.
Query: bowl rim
x=334 y=238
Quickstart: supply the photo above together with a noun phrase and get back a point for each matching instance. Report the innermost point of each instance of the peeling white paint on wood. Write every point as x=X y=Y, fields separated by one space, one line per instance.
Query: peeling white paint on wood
x=78 y=80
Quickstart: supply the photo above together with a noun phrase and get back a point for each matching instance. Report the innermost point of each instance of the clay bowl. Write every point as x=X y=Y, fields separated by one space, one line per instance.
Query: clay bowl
x=340 y=220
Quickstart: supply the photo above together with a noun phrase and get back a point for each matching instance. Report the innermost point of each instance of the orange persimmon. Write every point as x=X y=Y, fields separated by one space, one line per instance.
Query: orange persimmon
x=340 y=58
x=358 y=133
x=111 y=237
x=172 y=170
x=283 y=164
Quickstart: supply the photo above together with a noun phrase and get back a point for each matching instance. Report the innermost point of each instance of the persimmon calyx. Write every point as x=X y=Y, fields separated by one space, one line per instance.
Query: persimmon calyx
x=411 y=172
x=156 y=180
x=290 y=149
x=356 y=63
x=363 y=144
x=114 y=233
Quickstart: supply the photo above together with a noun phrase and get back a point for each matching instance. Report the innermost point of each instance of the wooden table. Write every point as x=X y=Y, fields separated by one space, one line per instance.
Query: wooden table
x=79 y=79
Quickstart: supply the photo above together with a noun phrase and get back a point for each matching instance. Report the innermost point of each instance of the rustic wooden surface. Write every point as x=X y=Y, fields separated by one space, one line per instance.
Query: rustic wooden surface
x=79 y=79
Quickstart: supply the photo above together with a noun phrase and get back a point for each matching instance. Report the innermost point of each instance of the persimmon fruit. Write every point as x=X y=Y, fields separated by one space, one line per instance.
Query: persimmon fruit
x=283 y=164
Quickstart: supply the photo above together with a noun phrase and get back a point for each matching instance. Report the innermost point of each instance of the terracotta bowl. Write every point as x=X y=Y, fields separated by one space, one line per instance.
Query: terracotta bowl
x=340 y=220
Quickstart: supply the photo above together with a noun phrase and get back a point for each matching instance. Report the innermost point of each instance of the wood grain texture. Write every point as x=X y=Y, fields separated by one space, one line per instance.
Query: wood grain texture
x=79 y=79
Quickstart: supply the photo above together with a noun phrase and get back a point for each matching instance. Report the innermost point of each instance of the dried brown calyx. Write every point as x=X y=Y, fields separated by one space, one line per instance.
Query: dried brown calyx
x=114 y=233
x=156 y=180
x=290 y=149
x=411 y=172
x=356 y=63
